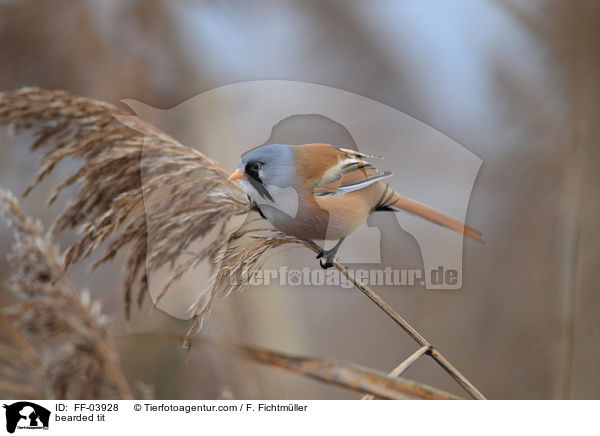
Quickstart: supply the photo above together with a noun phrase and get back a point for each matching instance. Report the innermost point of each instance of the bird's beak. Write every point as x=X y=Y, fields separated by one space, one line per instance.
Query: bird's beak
x=236 y=175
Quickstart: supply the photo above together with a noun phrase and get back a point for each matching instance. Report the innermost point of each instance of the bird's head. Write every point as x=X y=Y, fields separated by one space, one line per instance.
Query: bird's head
x=264 y=168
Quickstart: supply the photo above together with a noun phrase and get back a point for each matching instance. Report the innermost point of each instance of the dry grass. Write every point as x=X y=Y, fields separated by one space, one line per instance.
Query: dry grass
x=116 y=151
x=127 y=164
x=54 y=339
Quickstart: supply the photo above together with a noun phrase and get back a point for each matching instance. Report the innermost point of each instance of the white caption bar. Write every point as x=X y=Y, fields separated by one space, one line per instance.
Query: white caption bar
x=297 y=417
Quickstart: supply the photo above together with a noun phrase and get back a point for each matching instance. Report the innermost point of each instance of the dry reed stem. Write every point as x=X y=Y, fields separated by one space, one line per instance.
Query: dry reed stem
x=431 y=350
x=50 y=307
x=397 y=371
x=248 y=260
x=345 y=374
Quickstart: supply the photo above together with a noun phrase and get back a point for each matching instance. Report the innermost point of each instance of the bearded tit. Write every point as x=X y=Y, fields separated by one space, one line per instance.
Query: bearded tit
x=318 y=191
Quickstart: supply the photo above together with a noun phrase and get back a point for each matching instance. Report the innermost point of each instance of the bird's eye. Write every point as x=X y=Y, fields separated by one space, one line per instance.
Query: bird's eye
x=252 y=169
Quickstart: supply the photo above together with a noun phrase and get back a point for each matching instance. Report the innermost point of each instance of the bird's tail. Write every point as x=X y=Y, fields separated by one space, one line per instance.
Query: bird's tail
x=392 y=201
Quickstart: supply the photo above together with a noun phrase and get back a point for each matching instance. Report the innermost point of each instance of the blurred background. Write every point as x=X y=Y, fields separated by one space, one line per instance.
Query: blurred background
x=516 y=83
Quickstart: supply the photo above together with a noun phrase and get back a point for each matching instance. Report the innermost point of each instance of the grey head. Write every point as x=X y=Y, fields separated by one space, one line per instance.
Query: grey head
x=267 y=167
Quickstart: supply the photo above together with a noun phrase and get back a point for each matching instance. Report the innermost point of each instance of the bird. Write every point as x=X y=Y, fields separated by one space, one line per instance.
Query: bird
x=322 y=192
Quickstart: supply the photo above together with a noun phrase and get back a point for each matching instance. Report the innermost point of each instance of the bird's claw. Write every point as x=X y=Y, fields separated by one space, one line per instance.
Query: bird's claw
x=327 y=264
x=328 y=256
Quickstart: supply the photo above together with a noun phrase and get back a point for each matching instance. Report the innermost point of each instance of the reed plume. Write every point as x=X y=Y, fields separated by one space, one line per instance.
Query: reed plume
x=126 y=165
x=54 y=338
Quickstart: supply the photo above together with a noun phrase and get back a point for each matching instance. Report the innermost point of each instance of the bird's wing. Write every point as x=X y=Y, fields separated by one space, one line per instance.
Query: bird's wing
x=351 y=173
x=356 y=154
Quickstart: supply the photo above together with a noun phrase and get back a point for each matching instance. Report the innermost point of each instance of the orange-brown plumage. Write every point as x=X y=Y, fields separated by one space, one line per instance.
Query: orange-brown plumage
x=336 y=190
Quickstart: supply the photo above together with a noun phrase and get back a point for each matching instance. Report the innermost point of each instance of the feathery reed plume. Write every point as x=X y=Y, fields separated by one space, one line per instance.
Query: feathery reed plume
x=83 y=363
x=117 y=150
x=246 y=251
x=21 y=370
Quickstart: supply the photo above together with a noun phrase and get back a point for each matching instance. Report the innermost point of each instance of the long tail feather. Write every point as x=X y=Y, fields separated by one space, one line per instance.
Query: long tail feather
x=393 y=201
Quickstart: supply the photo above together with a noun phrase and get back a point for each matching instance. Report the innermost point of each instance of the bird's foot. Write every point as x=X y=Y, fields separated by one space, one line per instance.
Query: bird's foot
x=325 y=265
x=328 y=255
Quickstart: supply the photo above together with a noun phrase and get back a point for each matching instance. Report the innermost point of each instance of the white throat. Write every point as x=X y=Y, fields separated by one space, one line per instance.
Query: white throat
x=285 y=200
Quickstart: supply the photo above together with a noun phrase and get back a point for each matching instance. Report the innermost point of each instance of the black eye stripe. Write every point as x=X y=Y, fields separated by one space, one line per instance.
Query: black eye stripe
x=252 y=169
x=260 y=188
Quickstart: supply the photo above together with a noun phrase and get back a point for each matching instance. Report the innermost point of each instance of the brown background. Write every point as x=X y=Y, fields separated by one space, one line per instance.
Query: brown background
x=514 y=82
